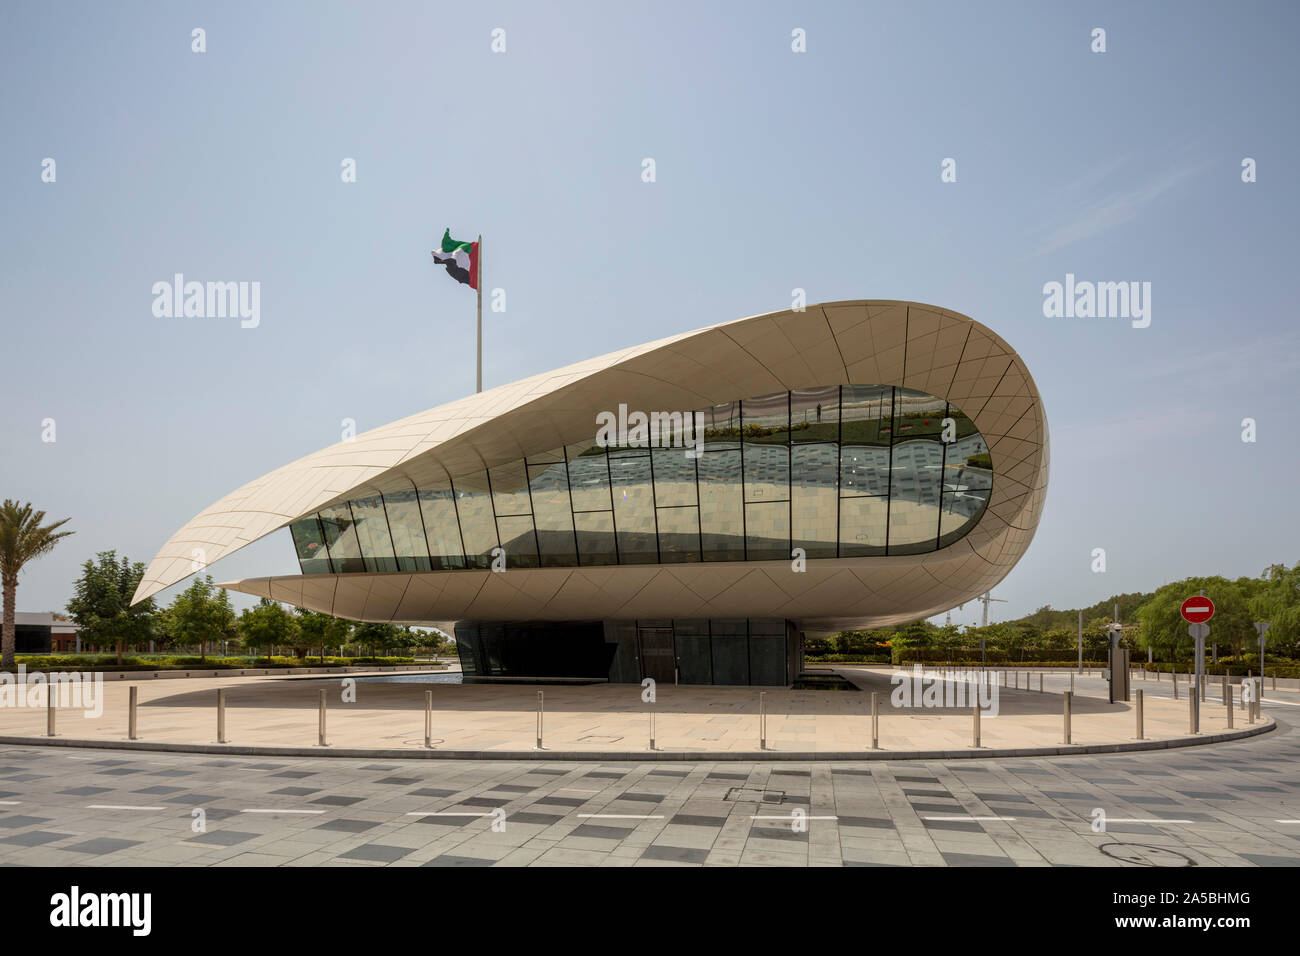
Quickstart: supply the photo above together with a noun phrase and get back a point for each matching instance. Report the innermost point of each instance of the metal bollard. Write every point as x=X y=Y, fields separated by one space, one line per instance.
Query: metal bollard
x=539 y=721
x=1138 y=711
x=652 y=728
x=975 y=717
x=322 y=718
x=1068 y=700
x=428 y=719
x=221 y=716
x=875 y=720
x=762 y=720
x=1248 y=705
x=50 y=691
x=1191 y=711
x=1275 y=678
x=1227 y=700
x=130 y=724
x=1224 y=693
x=1174 y=677
x=1040 y=682
x=1071 y=683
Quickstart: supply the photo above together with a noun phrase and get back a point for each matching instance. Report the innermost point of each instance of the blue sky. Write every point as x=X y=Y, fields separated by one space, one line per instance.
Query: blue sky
x=775 y=170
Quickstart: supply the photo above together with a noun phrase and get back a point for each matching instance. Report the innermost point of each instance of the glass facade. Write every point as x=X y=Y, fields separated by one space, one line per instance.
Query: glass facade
x=839 y=471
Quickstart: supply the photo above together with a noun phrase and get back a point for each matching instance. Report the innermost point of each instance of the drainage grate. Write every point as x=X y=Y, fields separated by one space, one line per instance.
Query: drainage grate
x=754 y=795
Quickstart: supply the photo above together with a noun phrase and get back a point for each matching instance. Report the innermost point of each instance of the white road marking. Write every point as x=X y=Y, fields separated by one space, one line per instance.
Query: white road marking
x=10 y=803
x=1110 y=820
x=966 y=817
x=788 y=817
x=446 y=813
x=622 y=816
x=281 y=811
x=119 y=806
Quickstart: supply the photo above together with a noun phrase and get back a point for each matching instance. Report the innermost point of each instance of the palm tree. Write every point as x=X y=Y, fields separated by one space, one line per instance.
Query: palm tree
x=22 y=539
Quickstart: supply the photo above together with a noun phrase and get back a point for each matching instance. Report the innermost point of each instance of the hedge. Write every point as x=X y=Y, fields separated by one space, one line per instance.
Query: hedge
x=108 y=662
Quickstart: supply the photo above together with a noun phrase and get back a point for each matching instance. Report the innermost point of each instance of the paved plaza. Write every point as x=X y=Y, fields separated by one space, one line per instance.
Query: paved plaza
x=612 y=720
x=1235 y=804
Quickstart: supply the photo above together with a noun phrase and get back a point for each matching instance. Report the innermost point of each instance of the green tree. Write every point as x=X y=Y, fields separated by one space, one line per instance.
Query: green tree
x=102 y=602
x=1164 y=628
x=1277 y=600
x=321 y=630
x=23 y=538
x=201 y=614
x=376 y=634
x=267 y=624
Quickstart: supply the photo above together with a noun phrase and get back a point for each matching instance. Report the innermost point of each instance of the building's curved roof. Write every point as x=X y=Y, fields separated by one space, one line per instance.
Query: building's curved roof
x=910 y=344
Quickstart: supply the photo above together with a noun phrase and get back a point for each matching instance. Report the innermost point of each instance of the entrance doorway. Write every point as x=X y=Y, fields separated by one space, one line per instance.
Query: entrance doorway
x=658 y=657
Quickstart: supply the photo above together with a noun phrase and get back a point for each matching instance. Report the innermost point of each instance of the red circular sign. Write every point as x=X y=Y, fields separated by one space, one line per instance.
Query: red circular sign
x=1197 y=610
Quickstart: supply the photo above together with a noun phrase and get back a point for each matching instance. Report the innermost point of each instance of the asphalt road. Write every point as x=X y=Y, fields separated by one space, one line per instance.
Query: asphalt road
x=1235 y=804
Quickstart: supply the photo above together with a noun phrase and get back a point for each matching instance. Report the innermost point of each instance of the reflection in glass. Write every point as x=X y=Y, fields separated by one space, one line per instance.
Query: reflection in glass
x=722 y=518
x=634 y=510
x=852 y=470
x=372 y=533
x=309 y=542
x=478 y=527
x=404 y=519
x=341 y=539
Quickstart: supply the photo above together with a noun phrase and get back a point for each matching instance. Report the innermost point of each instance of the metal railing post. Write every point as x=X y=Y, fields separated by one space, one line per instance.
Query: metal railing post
x=1040 y=682
x=1174 y=677
x=221 y=716
x=322 y=718
x=1227 y=699
x=539 y=720
x=762 y=720
x=975 y=719
x=875 y=720
x=50 y=691
x=1068 y=700
x=428 y=719
x=1191 y=711
x=131 y=724
x=1138 y=711
x=652 y=727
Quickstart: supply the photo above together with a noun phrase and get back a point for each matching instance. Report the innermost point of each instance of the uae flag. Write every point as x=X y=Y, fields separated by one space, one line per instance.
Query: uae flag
x=460 y=258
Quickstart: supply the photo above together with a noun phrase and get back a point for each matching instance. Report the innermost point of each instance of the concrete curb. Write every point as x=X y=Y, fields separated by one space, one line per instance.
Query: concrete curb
x=646 y=756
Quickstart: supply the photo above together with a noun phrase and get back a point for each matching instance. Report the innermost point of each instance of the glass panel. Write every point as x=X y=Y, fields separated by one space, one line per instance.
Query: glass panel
x=442 y=530
x=862 y=526
x=674 y=477
x=815 y=414
x=722 y=522
x=917 y=415
x=589 y=477
x=517 y=539
x=404 y=520
x=767 y=459
x=634 y=510
x=866 y=425
x=477 y=528
x=694 y=663
x=372 y=530
x=595 y=531
x=730 y=652
x=767 y=419
x=547 y=457
x=624 y=668
x=814 y=499
x=679 y=535
x=767 y=531
x=549 y=485
x=341 y=539
x=510 y=489
x=961 y=509
x=722 y=426
x=313 y=557
x=917 y=480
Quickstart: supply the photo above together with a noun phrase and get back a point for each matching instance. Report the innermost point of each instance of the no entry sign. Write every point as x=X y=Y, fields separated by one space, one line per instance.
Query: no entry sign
x=1197 y=610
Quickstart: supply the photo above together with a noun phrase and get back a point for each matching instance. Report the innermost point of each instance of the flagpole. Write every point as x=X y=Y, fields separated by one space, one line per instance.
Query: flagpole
x=478 y=381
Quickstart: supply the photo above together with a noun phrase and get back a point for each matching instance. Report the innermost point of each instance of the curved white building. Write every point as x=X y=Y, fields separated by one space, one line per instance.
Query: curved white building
x=851 y=465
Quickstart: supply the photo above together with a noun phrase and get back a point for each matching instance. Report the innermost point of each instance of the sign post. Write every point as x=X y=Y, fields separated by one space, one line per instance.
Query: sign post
x=1197 y=612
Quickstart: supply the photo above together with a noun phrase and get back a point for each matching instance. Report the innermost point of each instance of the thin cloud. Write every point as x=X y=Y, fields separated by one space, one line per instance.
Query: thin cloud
x=1114 y=210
